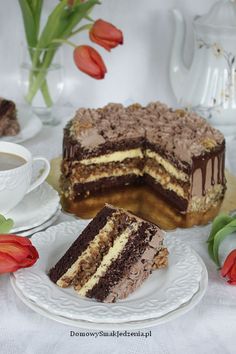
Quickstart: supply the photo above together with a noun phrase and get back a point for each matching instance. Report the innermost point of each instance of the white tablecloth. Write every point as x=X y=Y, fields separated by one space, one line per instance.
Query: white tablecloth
x=210 y=328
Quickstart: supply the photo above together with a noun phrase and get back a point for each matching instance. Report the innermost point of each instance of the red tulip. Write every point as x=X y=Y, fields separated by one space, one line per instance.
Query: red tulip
x=105 y=34
x=16 y=252
x=88 y=60
x=229 y=268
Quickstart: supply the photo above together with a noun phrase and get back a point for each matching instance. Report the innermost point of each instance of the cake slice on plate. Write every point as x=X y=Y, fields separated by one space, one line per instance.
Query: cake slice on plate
x=112 y=257
x=9 y=125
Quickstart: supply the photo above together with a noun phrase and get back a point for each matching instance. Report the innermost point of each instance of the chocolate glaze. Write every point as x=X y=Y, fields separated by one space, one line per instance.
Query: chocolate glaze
x=200 y=162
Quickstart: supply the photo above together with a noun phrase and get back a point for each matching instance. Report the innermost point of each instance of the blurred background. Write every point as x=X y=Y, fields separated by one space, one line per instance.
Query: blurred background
x=137 y=71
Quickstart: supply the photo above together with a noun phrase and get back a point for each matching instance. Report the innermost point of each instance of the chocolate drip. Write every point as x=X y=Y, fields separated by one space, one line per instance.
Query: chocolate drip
x=219 y=169
x=203 y=169
x=201 y=163
x=223 y=170
x=212 y=170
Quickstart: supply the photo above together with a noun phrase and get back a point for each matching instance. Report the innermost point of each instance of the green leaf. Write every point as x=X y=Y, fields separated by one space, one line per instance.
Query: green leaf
x=5 y=225
x=220 y=236
x=218 y=223
x=29 y=23
x=36 y=6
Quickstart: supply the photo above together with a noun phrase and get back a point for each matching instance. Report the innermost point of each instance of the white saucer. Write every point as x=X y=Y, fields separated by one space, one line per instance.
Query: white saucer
x=186 y=307
x=36 y=208
x=44 y=226
x=164 y=291
x=30 y=125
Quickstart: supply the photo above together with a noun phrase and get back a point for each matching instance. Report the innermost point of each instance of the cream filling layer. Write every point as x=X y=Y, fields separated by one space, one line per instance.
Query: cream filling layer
x=172 y=170
x=110 y=257
x=67 y=277
x=116 y=156
x=165 y=182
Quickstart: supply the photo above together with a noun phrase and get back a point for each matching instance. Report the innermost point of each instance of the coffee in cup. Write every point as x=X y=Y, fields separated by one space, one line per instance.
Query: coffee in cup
x=16 y=168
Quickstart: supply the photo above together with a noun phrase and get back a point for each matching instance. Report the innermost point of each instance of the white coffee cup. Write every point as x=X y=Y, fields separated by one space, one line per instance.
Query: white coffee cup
x=16 y=183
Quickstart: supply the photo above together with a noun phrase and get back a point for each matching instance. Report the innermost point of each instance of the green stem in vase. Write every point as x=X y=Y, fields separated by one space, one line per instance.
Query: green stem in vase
x=35 y=70
x=39 y=81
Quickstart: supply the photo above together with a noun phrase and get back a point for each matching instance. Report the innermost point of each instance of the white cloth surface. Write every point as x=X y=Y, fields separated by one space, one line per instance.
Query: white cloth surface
x=209 y=328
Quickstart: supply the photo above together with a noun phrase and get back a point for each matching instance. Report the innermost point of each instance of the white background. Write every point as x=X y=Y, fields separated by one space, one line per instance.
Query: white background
x=137 y=70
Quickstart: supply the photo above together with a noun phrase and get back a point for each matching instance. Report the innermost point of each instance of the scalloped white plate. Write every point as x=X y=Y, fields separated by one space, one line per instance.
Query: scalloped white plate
x=186 y=307
x=164 y=291
x=30 y=125
x=36 y=208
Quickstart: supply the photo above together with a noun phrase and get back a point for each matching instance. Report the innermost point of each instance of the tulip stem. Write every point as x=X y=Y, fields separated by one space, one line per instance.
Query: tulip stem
x=82 y=28
x=65 y=41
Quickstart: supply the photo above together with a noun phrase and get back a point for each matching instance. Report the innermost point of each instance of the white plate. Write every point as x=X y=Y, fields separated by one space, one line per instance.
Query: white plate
x=36 y=208
x=164 y=291
x=126 y=325
x=30 y=126
x=44 y=226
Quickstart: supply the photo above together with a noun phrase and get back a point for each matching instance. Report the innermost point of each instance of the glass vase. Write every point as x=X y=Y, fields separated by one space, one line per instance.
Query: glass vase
x=42 y=80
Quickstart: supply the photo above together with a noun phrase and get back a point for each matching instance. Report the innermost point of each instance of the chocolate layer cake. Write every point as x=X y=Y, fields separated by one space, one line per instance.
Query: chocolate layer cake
x=177 y=153
x=9 y=125
x=112 y=257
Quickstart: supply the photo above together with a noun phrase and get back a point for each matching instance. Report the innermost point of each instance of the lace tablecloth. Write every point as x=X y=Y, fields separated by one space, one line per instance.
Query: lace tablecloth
x=208 y=329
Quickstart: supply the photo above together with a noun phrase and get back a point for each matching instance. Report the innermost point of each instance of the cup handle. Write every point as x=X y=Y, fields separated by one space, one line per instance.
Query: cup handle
x=43 y=176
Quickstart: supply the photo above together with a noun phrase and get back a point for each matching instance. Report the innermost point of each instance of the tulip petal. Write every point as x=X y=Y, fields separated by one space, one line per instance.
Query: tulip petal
x=232 y=282
x=16 y=252
x=7 y=263
x=14 y=238
x=232 y=274
x=229 y=262
x=89 y=61
x=105 y=34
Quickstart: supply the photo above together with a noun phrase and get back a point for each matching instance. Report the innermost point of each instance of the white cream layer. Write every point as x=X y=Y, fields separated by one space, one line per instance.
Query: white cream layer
x=67 y=277
x=172 y=170
x=119 y=156
x=116 y=156
x=165 y=182
x=110 y=257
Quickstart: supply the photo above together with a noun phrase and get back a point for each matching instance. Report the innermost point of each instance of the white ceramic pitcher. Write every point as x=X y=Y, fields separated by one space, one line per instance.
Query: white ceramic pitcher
x=208 y=87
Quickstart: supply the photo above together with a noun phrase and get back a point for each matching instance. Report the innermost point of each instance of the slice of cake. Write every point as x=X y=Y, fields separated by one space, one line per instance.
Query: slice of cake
x=9 y=125
x=112 y=257
x=177 y=153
